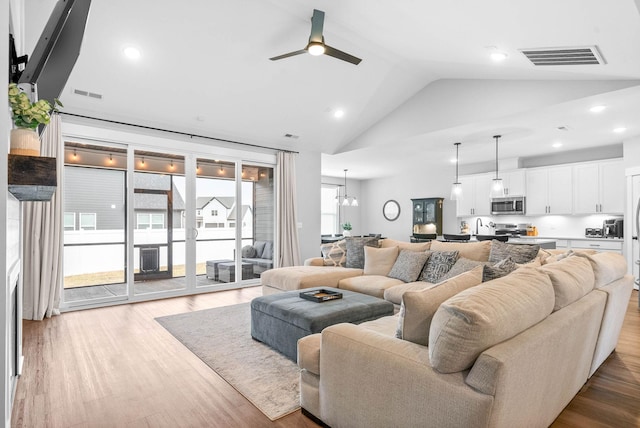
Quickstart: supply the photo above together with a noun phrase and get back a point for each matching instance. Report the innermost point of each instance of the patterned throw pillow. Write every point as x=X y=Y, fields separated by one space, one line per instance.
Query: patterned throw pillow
x=335 y=253
x=498 y=270
x=355 y=250
x=439 y=264
x=408 y=265
x=519 y=253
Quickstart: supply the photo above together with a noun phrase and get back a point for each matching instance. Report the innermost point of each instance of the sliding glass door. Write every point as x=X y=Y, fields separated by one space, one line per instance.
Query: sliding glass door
x=94 y=220
x=137 y=227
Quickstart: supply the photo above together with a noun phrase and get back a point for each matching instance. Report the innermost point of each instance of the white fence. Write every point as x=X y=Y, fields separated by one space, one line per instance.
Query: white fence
x=101 y=254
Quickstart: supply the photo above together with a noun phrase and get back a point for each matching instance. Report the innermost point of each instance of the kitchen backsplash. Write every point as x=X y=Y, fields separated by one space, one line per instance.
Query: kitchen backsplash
x=561 y=226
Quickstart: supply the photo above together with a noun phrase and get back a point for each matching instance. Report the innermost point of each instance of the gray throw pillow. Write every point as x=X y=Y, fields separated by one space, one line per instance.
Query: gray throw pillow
x=462 y=265
x=498 y=270
x=355 y=250
x=438 y=265
x=408 y=265
x=519 y=253
x=248 y=252
x=268 y=250
x=259 y=246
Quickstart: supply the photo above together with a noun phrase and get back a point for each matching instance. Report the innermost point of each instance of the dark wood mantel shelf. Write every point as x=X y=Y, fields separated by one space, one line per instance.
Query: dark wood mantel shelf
x=32 y=178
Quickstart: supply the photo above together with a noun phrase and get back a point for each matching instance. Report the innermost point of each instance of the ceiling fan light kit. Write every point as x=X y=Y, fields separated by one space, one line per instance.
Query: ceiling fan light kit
x=317 y=46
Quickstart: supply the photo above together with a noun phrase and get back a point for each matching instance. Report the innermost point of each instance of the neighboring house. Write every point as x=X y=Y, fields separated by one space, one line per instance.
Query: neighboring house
x=246 y=219
x=87 y=209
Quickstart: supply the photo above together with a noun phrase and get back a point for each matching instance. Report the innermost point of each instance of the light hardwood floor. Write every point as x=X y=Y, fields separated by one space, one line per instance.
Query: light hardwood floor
x=117 y=367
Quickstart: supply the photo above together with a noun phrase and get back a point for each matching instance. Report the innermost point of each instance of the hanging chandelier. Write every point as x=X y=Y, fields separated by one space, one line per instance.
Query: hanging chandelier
x=347 y=201
x=497 y=187
x=456 y=187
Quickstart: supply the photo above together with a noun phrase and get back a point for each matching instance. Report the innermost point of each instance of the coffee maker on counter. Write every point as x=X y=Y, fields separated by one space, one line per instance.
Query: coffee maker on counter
x=613 y=228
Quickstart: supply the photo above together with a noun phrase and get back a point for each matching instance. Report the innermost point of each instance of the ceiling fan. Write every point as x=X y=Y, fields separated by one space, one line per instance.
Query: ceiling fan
x=316 y=45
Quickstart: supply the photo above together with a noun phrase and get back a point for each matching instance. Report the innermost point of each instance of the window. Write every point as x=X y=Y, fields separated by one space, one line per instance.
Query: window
x=214 y=212
x=87 y=221
x=149 y=221
x=69 y=221
x=198 y=212
x=232 y=225
x=329 y=210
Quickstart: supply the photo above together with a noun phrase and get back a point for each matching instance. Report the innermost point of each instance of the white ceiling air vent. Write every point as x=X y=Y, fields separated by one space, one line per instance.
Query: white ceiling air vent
x=87 y=94
x=295 y=137
x=586 y=55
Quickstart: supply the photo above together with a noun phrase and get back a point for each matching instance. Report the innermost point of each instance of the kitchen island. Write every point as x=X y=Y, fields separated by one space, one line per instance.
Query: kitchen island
x=546 y=243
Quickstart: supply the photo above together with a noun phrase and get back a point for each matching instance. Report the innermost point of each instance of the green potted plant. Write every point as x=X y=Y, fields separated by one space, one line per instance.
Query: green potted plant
x=346 y=229
x=26 y=116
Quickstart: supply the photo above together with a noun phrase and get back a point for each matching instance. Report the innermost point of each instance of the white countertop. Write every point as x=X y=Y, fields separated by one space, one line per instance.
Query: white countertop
x=573 y=238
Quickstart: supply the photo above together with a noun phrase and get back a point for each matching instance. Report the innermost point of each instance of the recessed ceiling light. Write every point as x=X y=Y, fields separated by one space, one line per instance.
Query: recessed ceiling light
x=338 y=114
x=597 y=109
x=453 y=160
x=498 y=56
x=131 y=52
x=619 y=130
x=556 y=145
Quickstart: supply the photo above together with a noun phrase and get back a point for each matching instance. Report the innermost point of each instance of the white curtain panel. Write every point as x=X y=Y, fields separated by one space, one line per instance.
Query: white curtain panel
x=287 y=245
x=42 y=240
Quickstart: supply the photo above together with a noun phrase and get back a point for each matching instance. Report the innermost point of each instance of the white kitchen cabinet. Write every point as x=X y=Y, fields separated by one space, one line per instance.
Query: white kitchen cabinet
x=514 y=182
x=599 y=188
x=596 y=244
x=549 y=190
x=475 y=195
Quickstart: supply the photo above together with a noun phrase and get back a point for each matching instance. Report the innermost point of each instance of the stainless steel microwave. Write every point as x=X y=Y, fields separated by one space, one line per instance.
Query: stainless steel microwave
x=508 y=205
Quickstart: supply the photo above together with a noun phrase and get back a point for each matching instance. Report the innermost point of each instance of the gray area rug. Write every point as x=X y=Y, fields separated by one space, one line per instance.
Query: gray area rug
x=221 y=337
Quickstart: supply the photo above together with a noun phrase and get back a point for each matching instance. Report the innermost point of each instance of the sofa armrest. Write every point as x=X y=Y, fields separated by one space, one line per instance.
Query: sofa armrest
x=314 y=261
x=369 y=379
x=618 y=295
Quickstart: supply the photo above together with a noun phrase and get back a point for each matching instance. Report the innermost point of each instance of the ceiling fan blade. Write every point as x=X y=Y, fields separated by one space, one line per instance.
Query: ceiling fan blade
x=317 y=23
x=287 y=55
x=328 y=50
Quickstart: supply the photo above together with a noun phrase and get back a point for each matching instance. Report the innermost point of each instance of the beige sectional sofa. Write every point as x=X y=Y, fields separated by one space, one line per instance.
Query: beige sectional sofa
x=512 y=351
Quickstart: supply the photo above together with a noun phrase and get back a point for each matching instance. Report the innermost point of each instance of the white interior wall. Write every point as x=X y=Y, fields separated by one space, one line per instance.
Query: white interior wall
x=413 y=184
x=308 y=188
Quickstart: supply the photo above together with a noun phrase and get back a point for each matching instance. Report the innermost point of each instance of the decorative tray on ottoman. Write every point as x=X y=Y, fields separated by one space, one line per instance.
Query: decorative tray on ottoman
x=321 y=295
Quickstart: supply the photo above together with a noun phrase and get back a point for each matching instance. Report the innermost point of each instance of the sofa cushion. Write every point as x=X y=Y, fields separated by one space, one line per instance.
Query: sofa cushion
x=519 y=253
x=379 y=261
x=373 y=285
x=402 y=245
x=438 y=265
x=394 y=294
x=478 y=318
x=571 y=277
x=298 y=277
x=334 y=253
x=607 y=266
x=355 y=250
x=498 y=270
x=462 y=265
x=418 y=307
x=471 y=250
x=259 y=246
x=408 y=265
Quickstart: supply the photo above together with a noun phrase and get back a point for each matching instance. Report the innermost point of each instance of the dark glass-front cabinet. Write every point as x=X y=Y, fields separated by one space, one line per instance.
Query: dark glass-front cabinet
x=427 y=212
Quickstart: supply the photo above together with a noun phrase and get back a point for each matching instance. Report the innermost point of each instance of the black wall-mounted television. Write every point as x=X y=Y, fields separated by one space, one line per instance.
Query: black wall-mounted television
x=55 y=54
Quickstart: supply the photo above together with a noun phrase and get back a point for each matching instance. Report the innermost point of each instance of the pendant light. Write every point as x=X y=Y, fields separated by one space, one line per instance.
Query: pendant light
x=456 y=187
x=497 y=187
x=347 y=201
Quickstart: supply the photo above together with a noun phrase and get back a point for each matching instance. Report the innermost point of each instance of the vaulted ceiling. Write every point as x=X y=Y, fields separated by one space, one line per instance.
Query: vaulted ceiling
x=425 y=82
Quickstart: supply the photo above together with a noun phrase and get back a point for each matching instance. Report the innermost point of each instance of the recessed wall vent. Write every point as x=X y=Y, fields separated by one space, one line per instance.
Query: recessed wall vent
x=295 y=137
x=587 y=55
x=87 y=94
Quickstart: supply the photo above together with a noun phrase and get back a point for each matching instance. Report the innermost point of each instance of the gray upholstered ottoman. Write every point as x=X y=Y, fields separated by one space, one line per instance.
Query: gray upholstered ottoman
x=280 y=319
